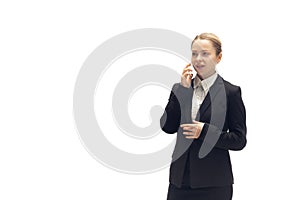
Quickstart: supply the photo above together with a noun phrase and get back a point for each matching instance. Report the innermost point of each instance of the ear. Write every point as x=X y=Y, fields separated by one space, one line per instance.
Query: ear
x=219 y=57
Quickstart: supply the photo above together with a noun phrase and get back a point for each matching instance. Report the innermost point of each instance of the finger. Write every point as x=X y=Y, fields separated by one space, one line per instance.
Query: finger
x=196 y=122
x=189 y=129
x=190 y=137
x=186 y=74
x=194 y=136
x=187 y=66
x=187 y=71
x=186 y=125
x=188 y=133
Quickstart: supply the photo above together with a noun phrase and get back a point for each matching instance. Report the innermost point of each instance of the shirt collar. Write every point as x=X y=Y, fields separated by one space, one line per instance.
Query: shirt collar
x=206 y=83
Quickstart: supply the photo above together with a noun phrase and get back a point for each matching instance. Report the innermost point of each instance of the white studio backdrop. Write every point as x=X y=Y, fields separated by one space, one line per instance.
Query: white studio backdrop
x=43 y=46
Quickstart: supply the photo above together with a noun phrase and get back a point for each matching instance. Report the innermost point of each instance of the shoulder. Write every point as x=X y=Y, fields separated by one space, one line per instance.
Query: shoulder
x=231 y=89
x=175 y=86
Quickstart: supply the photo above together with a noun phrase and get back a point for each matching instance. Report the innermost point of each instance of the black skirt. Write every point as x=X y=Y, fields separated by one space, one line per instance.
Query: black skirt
x=207 y=193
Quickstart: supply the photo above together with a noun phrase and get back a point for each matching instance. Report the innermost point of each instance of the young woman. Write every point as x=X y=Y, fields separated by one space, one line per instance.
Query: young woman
x=209 y=116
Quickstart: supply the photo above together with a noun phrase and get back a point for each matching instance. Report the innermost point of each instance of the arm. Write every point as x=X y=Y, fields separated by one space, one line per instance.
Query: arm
x=178 y=109
x=235 y=137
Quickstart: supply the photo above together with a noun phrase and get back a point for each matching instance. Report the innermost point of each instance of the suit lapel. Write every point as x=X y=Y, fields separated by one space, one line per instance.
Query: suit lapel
x=212 y=93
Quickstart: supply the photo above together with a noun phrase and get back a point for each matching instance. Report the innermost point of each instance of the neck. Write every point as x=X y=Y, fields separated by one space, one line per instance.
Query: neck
x=200 y=77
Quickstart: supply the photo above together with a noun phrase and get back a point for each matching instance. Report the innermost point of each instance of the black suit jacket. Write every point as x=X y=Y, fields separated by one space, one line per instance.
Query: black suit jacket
x=224 y=115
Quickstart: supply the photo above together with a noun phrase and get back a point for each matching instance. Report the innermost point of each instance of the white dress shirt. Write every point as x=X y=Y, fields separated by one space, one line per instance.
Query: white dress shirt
x=200 y=91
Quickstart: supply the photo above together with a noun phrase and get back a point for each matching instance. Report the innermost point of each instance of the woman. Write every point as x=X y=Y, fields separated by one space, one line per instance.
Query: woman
x=209 y=117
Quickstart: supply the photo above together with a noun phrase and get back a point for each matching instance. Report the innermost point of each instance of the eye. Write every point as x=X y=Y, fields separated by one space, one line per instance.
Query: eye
x=194 y=54
x=205 y=53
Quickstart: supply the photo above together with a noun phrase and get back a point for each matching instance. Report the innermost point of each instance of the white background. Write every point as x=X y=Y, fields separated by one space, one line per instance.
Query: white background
x=44 y=44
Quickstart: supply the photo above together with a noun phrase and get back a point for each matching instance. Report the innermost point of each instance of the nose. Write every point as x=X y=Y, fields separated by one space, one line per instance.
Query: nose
x=199 y=58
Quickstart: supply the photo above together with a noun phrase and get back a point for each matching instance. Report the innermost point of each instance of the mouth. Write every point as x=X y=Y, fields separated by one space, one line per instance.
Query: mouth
x=199 y=66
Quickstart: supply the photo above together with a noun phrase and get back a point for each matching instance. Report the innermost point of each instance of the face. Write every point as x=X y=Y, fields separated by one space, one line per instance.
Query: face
x=204 y=58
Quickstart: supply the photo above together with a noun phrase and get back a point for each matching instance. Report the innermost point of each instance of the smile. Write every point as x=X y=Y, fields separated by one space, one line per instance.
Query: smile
x=199 y=66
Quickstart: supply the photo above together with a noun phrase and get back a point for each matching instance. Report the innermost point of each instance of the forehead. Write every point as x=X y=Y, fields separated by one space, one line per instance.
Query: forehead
x=200 y=45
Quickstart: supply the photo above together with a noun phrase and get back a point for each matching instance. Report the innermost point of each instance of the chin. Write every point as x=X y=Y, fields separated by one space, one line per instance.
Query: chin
x=200 y=75
x=199 y=72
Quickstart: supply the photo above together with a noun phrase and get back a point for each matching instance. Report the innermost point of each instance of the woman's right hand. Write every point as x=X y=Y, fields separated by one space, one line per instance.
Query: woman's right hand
x=186 y=76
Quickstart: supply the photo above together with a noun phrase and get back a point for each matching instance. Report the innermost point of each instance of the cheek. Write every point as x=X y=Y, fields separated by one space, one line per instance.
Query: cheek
x=211 y=61
x=192 y=59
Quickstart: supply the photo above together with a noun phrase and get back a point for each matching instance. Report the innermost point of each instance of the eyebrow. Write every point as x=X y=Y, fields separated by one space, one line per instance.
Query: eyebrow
x=200 y=50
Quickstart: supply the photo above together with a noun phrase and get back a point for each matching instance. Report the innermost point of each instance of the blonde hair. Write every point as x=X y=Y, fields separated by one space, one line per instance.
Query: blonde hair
x=214 y=40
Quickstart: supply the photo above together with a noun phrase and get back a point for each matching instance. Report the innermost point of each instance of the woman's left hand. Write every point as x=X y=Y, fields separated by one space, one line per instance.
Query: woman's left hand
x=192 y=131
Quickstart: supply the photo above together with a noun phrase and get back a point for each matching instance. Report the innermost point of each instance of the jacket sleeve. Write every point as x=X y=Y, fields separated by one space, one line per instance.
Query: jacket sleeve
x=235 y=137
x=178 y=109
